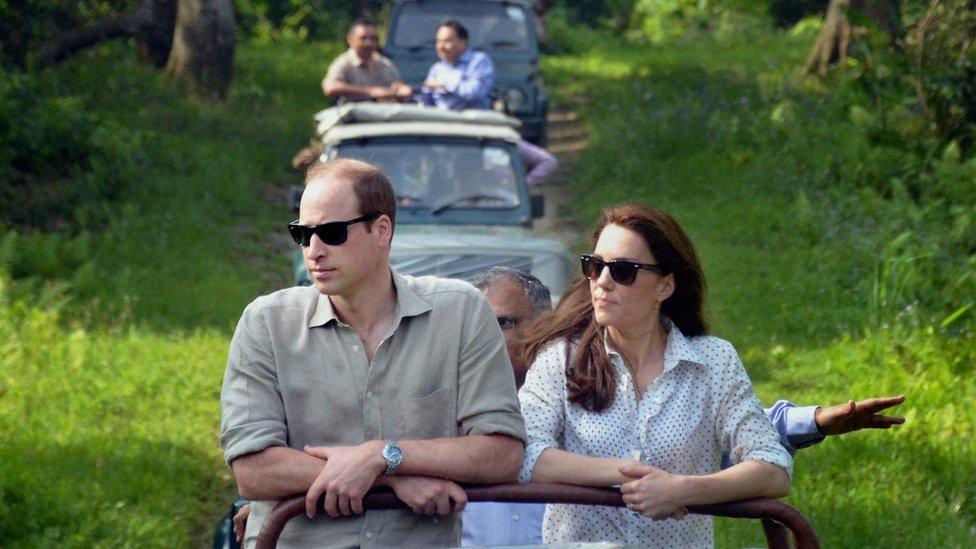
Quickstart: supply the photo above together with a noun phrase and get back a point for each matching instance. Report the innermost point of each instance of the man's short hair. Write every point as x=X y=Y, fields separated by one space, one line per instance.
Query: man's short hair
x=534 y=289
x=372 y=188
x=361 y=22
x=456 y=26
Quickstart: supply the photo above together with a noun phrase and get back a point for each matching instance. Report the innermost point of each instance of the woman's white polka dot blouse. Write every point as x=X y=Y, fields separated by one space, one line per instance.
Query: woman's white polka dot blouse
x=702 y=405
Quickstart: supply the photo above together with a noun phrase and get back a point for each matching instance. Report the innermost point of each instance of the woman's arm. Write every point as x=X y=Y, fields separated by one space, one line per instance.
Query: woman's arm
x=555 y=465
x=657 y=494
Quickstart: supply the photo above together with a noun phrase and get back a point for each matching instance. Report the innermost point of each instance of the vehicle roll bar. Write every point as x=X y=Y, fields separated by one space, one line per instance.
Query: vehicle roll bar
x=775 y=515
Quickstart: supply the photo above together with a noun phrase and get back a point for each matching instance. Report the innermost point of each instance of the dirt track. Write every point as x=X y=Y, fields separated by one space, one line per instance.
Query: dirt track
x=567 y=139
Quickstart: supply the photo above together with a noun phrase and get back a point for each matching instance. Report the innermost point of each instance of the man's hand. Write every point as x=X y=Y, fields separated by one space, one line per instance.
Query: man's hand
x=853 y=416
x=380 y=93
x=348 y=474
x=402 y=91
x=653 y=494
x=240 y=522
x=433 y=84
x=427 y=495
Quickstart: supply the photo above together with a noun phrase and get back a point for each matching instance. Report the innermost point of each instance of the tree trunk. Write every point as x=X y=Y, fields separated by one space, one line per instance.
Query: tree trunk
x=155 y=37
x=202 y=57
x=833 y=39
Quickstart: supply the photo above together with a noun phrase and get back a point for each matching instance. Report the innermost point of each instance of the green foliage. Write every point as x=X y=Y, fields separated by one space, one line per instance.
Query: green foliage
x=59 y=162
x=27 y=24
x=278 y=20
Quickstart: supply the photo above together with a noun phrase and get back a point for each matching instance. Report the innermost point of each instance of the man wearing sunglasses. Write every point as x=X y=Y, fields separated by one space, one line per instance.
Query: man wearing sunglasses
x=368 y=378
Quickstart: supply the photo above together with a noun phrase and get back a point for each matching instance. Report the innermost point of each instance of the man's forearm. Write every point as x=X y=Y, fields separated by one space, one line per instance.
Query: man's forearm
x=482 y=459
x=275 y=473
x=341 y=89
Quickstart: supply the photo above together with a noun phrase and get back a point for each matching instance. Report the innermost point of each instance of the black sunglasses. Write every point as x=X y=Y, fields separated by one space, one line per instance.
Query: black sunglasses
x=621 y=271
x=333 y=233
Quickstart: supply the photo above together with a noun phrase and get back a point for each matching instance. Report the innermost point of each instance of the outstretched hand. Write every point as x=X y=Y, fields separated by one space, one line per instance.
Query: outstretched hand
x=654 y=493
x=854 y=416
x=348 y=474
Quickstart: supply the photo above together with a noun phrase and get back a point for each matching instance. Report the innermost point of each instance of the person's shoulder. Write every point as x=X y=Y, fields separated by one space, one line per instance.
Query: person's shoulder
x=297 y=297
x=713 y=351
x=383 y=60
x=478 y=56
x=440 y=289
x=341 y=61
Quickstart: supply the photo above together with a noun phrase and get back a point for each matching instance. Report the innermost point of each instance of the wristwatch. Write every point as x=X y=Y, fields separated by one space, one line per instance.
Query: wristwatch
x=393 y=456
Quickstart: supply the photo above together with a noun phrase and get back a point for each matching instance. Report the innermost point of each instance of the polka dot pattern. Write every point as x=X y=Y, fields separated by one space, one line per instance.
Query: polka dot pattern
x=702 y=405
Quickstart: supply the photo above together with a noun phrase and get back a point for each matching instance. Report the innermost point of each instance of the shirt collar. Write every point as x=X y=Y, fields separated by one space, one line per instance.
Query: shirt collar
x=408 y=304
x=358 y=61
x=465 y=57
x=678 y=350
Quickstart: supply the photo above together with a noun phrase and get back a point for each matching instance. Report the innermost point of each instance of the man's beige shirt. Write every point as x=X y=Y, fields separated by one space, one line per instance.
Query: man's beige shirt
x=296 y=375
x=349 y=69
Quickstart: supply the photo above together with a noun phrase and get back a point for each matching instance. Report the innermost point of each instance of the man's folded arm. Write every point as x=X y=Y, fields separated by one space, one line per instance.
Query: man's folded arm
x=480 y=459
x=275 y=473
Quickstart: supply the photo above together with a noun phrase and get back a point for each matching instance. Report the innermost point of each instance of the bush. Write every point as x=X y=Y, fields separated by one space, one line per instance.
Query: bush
x=58 y=161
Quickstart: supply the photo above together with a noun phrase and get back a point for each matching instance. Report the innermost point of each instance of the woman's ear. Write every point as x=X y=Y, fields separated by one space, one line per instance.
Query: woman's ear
x=667 y=288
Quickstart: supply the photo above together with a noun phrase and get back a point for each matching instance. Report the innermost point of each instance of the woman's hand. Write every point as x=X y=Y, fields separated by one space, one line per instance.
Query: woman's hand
x=427 y=495
x=653 y=493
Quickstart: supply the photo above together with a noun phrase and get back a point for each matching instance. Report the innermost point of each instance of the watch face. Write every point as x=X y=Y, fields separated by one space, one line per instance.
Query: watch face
x=393 y=456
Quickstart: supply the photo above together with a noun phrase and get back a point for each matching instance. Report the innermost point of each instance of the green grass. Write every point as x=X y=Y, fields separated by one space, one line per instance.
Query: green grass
x=699 y=129
x=110 y=425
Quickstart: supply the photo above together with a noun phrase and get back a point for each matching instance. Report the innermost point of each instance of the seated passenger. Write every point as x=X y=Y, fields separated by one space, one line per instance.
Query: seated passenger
x=463 y=78
x=362 y=73
x=628 y=389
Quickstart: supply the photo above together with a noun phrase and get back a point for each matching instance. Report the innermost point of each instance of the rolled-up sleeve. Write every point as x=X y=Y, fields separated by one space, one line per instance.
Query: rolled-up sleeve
x=744 y=431
x=252 y=413
x=542 y=400
x=796 y=425
x=487 y=399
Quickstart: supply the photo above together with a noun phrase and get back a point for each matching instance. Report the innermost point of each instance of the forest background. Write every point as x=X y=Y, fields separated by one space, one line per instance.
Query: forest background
x=835 y=214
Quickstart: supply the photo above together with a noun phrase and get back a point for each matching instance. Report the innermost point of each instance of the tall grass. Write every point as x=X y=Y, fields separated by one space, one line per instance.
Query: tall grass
x=109 y=435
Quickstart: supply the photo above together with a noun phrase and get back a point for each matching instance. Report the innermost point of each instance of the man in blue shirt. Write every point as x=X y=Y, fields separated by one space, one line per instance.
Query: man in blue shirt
x=463 y=77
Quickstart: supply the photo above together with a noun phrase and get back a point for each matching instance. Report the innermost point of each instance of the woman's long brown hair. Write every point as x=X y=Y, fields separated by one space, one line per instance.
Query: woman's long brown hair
x=590 y=379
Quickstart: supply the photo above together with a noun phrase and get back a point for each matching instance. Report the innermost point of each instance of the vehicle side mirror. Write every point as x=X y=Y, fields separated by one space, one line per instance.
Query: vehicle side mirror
x=538 y=205
x=295 y=197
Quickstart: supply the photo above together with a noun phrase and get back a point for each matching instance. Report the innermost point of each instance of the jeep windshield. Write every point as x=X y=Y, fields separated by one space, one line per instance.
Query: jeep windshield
x=492 y=26
x=441 y=175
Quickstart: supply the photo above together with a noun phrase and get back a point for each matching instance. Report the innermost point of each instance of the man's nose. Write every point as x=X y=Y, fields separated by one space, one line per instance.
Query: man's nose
x=316 y=248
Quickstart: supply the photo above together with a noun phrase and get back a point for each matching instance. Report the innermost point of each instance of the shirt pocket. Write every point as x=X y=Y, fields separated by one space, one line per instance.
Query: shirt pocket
x=429 y=416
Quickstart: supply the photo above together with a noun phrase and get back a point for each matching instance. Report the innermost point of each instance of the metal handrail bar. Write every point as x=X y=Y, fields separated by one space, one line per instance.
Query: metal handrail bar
x=776 y=516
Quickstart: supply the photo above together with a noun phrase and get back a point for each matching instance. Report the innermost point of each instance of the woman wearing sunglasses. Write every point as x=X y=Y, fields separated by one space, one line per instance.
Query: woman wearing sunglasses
x=627 y=389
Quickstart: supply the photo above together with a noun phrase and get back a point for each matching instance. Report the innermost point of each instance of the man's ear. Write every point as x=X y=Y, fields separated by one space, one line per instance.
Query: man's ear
x=383 y=227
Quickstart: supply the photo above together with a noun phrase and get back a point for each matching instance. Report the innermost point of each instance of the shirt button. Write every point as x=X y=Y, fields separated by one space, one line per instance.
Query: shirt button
x=515 y=517
x=355 y=348
x=369 y=395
